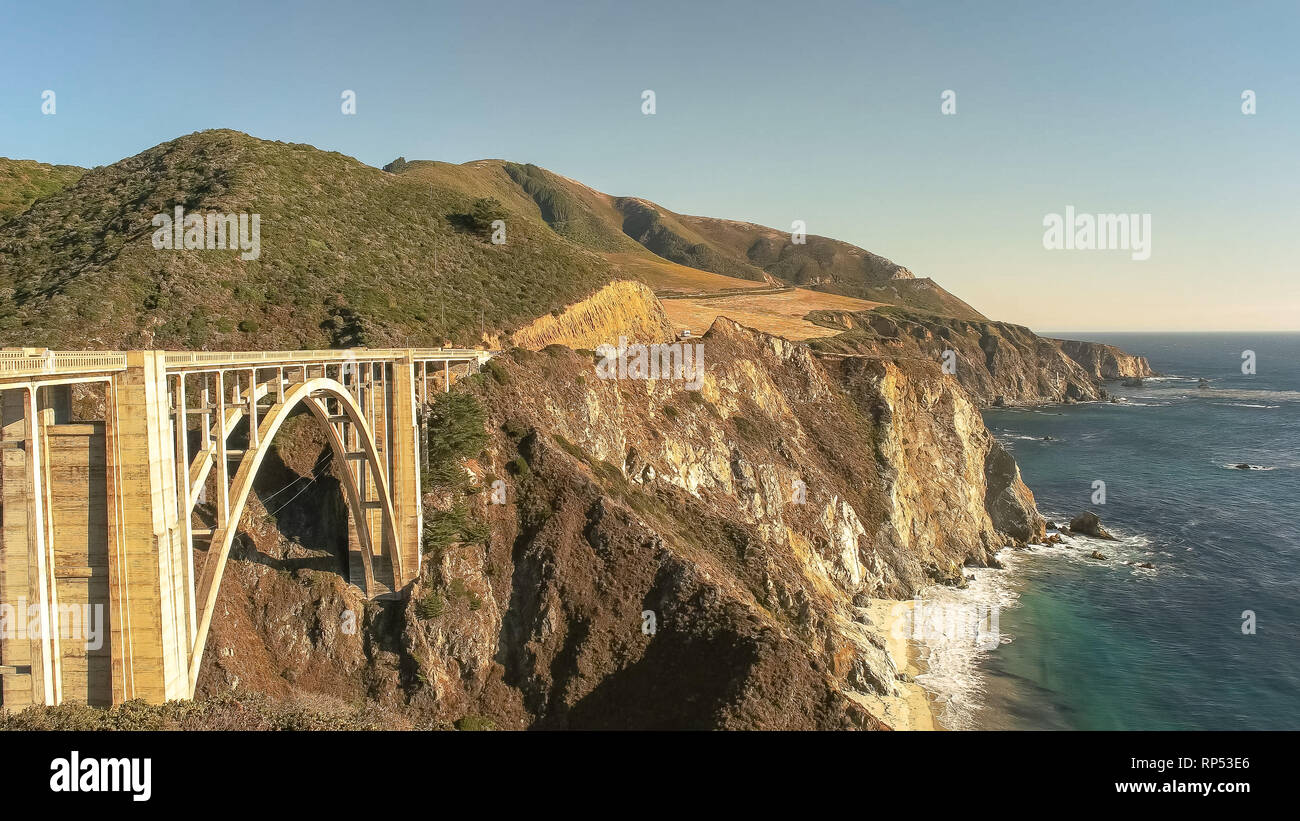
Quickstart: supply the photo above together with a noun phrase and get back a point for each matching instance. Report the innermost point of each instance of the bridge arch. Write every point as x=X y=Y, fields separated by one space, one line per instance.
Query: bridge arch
x=313 y=394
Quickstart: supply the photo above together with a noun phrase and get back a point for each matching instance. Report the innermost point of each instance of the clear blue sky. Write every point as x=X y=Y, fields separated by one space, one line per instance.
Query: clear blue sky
x=772 y=112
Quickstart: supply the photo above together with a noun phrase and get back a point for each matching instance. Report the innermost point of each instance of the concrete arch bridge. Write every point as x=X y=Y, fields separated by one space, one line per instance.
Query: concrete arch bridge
x=107 y=583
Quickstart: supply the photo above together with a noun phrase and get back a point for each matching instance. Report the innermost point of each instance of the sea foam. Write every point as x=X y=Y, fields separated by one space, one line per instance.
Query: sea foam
x=953 y=662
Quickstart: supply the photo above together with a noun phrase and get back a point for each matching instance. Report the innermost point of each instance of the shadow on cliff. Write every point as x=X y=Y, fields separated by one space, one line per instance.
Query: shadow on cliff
x=309 y=514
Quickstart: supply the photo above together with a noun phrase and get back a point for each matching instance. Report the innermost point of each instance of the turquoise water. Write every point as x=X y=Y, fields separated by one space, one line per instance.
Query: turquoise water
x=1107 y=645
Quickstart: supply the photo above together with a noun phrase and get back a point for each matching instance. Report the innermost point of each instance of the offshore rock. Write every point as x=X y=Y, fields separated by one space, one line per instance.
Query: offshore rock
x=1089 y=524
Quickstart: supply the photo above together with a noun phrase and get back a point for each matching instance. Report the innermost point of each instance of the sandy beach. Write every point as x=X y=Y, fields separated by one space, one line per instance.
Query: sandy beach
x=913 y=708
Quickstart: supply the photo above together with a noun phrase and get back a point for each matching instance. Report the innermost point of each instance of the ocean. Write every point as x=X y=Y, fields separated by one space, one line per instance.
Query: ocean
x=1094 y=644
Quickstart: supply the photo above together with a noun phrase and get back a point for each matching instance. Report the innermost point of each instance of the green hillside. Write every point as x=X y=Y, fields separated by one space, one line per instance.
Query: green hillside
x=23 y=182
x=349 y=255
x=355 y=255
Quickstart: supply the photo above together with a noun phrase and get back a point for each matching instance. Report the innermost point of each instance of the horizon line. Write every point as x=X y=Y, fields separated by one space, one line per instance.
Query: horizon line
x=1159 y=331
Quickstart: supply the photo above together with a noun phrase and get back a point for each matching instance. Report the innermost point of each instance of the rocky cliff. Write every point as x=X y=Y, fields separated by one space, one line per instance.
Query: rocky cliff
x=664 y=557
x=997 y=362
x=1105 y=361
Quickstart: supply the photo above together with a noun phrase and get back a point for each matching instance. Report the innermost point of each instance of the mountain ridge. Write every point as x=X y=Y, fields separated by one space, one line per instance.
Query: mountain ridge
x=354 y=255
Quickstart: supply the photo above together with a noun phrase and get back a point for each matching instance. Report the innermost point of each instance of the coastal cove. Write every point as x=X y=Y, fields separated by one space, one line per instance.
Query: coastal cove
x=1093 y=643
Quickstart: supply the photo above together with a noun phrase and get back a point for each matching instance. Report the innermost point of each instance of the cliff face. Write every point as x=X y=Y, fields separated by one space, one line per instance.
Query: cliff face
x=675 y=558
x=1105 y=361
x=997 y=362
x=778 y=411
x=644 y=497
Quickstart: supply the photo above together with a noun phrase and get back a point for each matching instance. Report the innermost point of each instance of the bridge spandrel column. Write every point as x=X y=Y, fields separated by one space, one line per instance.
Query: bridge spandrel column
x=147 y=531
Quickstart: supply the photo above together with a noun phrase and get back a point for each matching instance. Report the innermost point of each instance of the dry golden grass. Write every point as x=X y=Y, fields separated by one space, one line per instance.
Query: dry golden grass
x=665 y=277
x=781 y=313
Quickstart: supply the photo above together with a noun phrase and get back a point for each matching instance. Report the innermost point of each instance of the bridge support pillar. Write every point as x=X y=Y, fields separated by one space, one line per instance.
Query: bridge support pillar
x=404 y=438
x=29 y=640
x=148 y=560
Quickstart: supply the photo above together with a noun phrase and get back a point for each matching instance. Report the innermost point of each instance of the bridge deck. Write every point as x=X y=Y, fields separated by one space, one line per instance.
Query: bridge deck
x=24 y=364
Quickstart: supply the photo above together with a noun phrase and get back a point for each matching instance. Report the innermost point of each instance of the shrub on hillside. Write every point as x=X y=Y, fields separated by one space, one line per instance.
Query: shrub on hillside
x=431 y=606
x=495 y=370
x=472 y=723
x=442 y=528
x=482 y=213
x=455 y=430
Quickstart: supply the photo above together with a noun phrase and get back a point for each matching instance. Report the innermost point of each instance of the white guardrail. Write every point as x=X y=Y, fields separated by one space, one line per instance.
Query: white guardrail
x=214 y=359
x=44 y=362
x=26 y=362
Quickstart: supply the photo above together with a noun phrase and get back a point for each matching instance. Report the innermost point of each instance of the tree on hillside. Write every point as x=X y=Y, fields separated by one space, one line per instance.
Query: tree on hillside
x=455 y=426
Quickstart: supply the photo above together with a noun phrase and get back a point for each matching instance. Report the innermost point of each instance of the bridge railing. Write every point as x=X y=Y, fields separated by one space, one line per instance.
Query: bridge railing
x=42 y=362
x=26 y=362
x=183 y=359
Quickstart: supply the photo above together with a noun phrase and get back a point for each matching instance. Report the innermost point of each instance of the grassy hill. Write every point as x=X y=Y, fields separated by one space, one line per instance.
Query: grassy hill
x=354 y=255
x=350 y=255
x=623 y=229
x=23 y=182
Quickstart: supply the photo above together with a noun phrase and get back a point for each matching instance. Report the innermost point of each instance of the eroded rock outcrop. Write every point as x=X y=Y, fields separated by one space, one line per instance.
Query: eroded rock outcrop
x=997 y=362
x=621 y=308
x=1106 y=361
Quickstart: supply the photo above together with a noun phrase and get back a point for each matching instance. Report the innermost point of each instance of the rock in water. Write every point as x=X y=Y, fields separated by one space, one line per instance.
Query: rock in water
x=1098 y=555
x=1089 y=524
